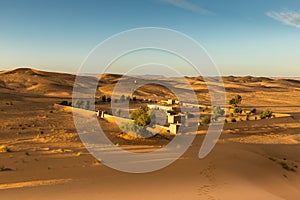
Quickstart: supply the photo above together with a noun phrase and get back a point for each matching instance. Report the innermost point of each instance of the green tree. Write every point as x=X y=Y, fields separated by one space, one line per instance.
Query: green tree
x=238 y=110
x=237 y=99
x=122 y=98
x=253 y=110
x=205 y=120
x=248 y=116
x=103 y=98
x=217 y=112
x=86 y=105
x=266 y=114
x=77 y=104
x=141 y=116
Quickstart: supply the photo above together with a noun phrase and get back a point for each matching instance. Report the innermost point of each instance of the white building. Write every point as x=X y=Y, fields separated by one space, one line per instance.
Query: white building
x=160 y=107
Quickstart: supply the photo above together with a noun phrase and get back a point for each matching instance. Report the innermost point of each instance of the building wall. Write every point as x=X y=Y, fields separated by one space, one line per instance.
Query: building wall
x=174 y=128
x=173 y=119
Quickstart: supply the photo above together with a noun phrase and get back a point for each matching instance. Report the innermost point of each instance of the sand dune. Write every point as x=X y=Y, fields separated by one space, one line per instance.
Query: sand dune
x=46 y=159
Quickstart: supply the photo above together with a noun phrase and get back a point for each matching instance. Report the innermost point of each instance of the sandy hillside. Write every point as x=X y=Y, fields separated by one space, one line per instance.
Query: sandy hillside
x=44 y=158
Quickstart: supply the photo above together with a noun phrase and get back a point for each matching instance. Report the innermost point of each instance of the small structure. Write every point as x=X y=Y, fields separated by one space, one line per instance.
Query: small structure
x=159 y=107
x=174 y=128
x=174 y=119
x=171 y=112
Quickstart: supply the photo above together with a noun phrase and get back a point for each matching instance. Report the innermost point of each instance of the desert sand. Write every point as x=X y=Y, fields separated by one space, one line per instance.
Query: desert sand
x=45 y=159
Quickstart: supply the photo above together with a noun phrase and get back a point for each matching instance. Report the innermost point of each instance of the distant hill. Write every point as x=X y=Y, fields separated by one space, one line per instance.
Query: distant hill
x=26 y=80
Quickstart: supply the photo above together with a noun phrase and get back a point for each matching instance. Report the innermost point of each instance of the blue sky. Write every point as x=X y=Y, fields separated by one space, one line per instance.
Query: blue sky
x=243 y=37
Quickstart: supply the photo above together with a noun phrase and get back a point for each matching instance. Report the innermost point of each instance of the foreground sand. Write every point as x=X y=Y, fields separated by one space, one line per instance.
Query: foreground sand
x=48 y=161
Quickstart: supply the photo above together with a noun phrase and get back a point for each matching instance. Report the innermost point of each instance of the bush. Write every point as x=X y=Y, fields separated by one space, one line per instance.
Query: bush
x=238 y=110
x=233 y=120
x=81 y=104
x=266 y=114
x=287 y=167
x=65 y=103
x=2 y=169
x=77 y=104
x=108 y=99
x=122 y=98
x=103 y=98
x=217 y=112
x=237 y=99
x=205 y=120
x=135 y=131
x=253 y=110
x=142 y=116
x=247 y=116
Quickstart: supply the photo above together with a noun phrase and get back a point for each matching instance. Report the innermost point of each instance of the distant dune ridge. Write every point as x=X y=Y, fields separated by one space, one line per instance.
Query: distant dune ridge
x=27 y=80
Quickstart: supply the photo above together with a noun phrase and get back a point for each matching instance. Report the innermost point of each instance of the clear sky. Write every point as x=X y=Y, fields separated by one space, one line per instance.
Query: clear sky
x=243 y=37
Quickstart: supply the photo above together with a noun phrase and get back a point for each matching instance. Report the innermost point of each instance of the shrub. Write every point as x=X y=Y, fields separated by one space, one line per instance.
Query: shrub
x=135 y=131
x=231 y=102
x=134 y=98
x=108 y=99
x=142 y=116
x=247 y=116
x=205 y=120
x=77 y=104
x=238 y=110
x=65 y=103
x=217 y=112
x=253 y=110
x=237 y=99
x=122 y=98
x=266 y=114
x=84 y=104
x=286 y=166
x=2 y=169
x=233 y=120
x=103 y=98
